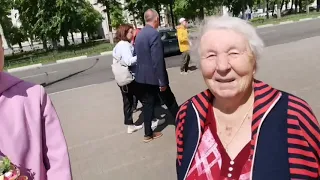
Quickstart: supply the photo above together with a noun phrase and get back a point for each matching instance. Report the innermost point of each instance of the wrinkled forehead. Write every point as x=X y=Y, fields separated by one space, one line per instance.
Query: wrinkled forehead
x=223 y=40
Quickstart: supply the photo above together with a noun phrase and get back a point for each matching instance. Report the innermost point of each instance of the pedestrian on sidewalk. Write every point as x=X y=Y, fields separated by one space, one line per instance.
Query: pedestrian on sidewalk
x=135 y=99
x=123 y=54
x=135 y=34
x=31 y=135
x=151 y=74
x=240 y=127
x=184 y=45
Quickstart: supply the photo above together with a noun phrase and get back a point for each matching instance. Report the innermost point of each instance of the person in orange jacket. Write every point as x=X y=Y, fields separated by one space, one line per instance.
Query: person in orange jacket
x=184 y=45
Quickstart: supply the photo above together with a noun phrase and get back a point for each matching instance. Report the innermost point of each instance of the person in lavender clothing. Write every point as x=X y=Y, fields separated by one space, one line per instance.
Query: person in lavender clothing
x=31 y=135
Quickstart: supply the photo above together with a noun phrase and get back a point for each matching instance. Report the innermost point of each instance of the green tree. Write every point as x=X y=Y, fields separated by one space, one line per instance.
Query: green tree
x=16 y=35
x=116 y=16
x=28 y=10
x=88 y=21
x=49 y=20
x=5 y=7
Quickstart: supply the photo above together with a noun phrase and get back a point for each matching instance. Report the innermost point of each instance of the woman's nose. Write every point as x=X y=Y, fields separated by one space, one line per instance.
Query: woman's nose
x=222 y=63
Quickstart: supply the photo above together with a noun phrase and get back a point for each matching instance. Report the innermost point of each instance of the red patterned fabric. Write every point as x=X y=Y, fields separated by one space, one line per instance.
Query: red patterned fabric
x=211 y=161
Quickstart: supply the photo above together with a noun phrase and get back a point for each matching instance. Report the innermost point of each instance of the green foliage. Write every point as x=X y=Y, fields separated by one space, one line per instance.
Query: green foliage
x=5 y=7
x=117 y=17
x=88 y=19
x=5 y=165
x=184 y=8
x=15 y=35
x=52 y=19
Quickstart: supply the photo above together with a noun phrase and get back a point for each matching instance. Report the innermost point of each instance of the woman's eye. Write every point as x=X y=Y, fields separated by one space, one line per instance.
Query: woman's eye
x=233 y=54
x=211 y=56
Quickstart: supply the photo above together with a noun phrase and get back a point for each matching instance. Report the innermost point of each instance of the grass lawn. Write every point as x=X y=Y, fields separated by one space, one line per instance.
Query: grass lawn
x=44 y=57
x=272 y=20
x=292 y=17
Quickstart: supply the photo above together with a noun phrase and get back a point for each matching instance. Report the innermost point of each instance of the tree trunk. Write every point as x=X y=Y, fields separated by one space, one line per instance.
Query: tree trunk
x=172 y=16
x=273 y=7
x=201 y=13
x=282 y=3
x=65 y=40
x=54 y=43
x=279 y=6
x=134 y=19
x=318 y=5
x=72 y=37
x=20 y=46
x=243 y=10
x=109 y=23
x=44 y=43
x=82 y=38
x=267 y=5
x=157 y=8
x=142 y=19
x=300 y=6
x=296 y=6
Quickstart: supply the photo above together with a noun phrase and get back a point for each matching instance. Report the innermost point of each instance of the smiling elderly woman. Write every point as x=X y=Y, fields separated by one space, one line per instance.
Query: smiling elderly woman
x=242 y=128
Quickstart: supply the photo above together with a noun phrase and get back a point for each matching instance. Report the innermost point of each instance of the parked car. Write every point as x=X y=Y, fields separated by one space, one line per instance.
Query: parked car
x=170 y=41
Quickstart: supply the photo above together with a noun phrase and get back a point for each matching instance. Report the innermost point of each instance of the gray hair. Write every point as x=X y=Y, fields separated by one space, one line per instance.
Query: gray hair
x=238 y=25
x=150 y=15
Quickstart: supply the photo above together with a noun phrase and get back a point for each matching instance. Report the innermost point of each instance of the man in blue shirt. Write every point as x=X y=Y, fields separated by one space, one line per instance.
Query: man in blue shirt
x=151 y=74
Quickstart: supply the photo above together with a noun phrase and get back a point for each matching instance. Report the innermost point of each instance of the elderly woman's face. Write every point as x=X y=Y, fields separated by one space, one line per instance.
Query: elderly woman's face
x=227 y=63
x=1 y=55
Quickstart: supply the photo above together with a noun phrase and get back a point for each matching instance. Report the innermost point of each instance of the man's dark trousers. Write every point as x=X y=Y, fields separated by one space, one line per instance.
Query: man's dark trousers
x=150 y=74
x=148 y=95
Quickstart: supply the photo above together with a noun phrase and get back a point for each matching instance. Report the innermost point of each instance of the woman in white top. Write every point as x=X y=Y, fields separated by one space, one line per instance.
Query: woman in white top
x=124 y=50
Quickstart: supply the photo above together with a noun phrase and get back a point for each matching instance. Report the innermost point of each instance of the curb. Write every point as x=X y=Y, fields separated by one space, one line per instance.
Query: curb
x=71 y=59
x=266 y=25
x=287 y=22
x=23 y=68
x=61 y=61
x=306 y=19
x=106 y=53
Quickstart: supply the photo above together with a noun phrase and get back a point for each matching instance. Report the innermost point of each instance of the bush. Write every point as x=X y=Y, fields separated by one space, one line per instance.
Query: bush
x=258 y=20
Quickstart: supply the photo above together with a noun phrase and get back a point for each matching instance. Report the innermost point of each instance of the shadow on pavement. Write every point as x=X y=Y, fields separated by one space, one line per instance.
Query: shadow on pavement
x=160 y=112
x=71 y=75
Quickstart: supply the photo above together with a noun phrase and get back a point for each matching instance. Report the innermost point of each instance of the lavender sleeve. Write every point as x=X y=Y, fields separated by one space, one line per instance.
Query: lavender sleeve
x=55 y=152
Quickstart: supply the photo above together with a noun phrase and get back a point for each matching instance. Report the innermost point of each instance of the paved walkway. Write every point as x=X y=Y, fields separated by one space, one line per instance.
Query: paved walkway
x=101 y=149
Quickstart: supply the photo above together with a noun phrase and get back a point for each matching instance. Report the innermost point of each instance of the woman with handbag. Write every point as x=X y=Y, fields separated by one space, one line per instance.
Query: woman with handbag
x=123 y=69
